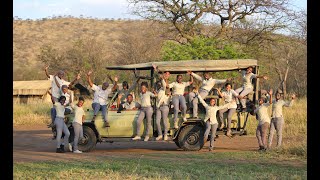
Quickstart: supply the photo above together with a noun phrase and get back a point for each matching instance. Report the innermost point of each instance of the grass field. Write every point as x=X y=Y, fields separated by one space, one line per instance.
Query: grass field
x=223 y=165
x=288 y=162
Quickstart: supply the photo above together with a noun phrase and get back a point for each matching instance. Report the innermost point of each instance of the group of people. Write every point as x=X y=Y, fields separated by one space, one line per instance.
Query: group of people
x=62 y=99
x=275 y=123
x=166 y=94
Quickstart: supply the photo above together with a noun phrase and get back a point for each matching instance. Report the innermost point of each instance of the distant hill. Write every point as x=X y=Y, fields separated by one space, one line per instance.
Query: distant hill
x=30 y=35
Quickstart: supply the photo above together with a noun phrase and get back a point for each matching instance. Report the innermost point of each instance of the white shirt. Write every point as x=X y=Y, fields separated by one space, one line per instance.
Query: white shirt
x=100 y=95
x=230 y=97
x=78 y=113
x=132 y=105
x=277 y=107
x=59 y=109
x=178 y=88
x=162 y=98
x=247 y=79
x=145 y=99
x=262 y=112
x=69 y=98
x=55 y=90
x=207 y=84
x=211 y=111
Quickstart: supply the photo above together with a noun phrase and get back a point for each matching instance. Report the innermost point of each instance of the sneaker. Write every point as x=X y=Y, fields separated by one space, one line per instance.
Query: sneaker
x=221 y=126
x=62 y=147
x=184 y=119
x=210 y=148
x=77 y=151
x=70 y=147
x=261 y=148
x=176 y=125
x=159 y=138
x=107 y=124
x=136 y=138
x=146 y=138
x=165 y=137
x=59 y=150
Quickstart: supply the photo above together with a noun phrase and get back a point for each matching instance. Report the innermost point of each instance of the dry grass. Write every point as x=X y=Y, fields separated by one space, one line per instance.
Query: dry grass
x=30 y=114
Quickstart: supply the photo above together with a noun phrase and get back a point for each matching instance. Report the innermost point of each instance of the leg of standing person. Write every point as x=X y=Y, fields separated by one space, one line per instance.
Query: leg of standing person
x=158 y=120
x=66 y=133
x=221 y=118
x=139 y=121
x=77 y=129
x=96 y=109
x=165 y=112
x=264 y=133
x=206 y=133
x=231 y=111
x=182 y=101
x=149 y=112
x=175 y=102
x=59 y=126
x=213 y=135
x=258 y=135
x=271 y=132
x=279 y=126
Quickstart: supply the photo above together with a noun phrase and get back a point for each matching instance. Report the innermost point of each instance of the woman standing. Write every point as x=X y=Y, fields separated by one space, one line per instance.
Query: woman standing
x=60 y=125
x=229 y=96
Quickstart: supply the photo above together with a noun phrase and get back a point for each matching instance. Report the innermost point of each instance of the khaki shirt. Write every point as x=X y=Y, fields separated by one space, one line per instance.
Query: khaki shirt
x=247 y=79
x=132 y=105
x=78 y=113
x=262 y=112
x=178 y=88
x=211 y=111
x=59 y=109
x=100 y=95
x=277 y=107
x=146 y=99
x=208 y=84
x=55 y=90
x=230 y=97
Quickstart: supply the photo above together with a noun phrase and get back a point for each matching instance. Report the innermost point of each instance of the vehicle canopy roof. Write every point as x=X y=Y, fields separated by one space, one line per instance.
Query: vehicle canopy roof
x=191 y=65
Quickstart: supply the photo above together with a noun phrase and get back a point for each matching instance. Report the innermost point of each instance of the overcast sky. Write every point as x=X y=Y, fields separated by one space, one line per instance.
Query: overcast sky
x=37 y=9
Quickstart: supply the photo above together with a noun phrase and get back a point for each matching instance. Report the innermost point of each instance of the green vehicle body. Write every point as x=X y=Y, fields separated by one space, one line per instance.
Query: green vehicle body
x=189 y=135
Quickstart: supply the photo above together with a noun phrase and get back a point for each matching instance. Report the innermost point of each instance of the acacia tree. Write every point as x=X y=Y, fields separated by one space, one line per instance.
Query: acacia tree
x=186 y=15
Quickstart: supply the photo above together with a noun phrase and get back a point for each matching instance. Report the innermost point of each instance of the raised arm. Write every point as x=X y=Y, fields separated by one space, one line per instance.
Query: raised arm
x=262 y=76
x=75 y=80
x=270 y=93
x=196 y=76
x=289 y=104
x=56 y=81
x=115 y=84
x=89 y=79
x=202 y=101
x=46 y=71
x=219 y=92
x=191 y=77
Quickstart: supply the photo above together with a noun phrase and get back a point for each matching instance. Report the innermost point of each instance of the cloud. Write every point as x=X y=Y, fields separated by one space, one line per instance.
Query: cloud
x=104 y=2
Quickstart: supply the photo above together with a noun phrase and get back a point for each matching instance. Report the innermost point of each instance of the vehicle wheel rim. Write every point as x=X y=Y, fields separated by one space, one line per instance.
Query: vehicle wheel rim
x=192 y=138
x=86 y=139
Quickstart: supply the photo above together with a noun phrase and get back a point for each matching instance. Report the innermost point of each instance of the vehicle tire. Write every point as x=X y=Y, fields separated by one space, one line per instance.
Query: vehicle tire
x=90 y=140
x=190 y=138
x=177 y=143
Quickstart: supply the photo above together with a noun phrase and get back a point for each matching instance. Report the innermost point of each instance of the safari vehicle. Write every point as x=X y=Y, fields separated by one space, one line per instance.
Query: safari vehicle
x=189 y=135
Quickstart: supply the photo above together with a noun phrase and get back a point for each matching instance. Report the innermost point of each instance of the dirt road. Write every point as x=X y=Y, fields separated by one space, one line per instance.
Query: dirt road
x=34 y=143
